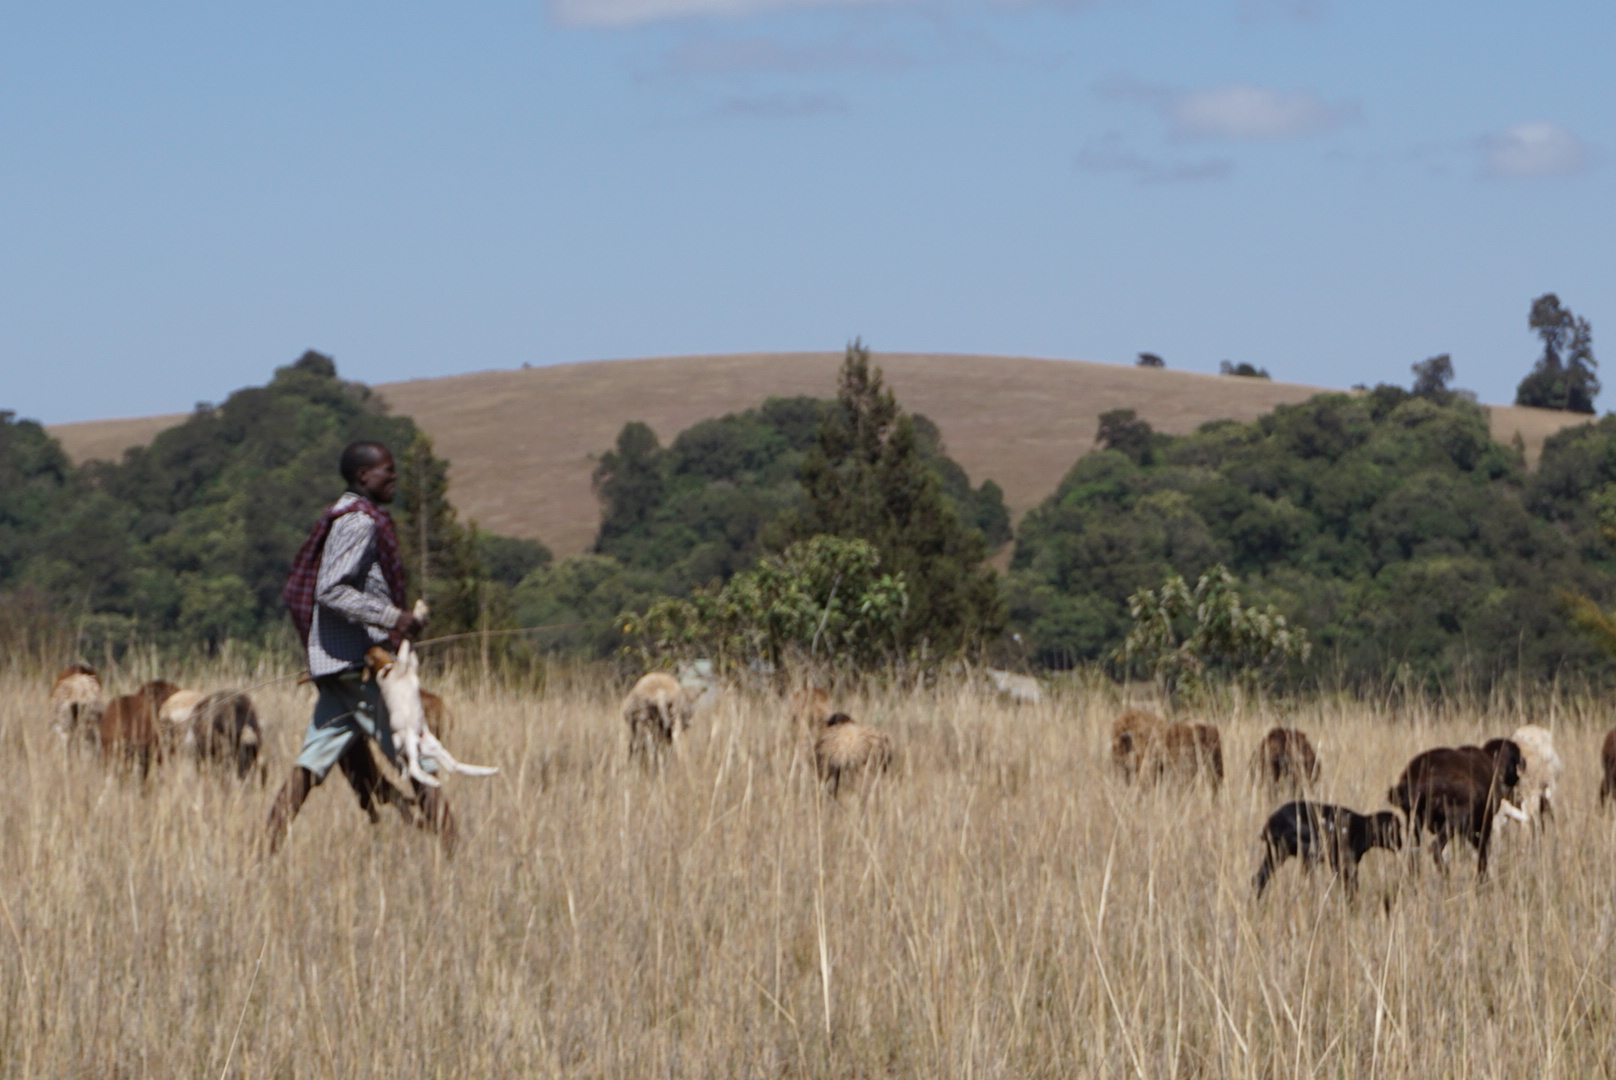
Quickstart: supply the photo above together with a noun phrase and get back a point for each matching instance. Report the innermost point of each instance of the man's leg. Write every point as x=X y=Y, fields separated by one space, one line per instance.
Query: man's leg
x=331 y=730
x=358 y=765
x=288 y=801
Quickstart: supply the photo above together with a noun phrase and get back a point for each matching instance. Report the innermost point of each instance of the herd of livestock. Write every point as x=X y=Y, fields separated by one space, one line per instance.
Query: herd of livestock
x=1453 y=793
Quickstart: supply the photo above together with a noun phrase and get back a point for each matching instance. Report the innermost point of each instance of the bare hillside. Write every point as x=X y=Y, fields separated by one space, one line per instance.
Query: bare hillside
x=523 y=443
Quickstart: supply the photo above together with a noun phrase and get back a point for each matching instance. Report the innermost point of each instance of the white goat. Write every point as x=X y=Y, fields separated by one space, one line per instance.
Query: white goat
x=400 y=681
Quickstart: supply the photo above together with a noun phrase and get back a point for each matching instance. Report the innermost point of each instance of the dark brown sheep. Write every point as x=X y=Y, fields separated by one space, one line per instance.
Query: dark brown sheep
x=131 y=730
x=1285 y=760
x=225 y=730
x=1607 y=757
x=1457 y=791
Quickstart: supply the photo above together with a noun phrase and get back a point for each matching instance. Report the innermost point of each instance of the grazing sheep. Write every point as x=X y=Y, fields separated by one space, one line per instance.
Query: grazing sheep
x=175 y=715
x=1540 y=772
x=131 y=728
x=1136 y=738
x=1285 y=760
x=76 y=702
x=1607 y=757
x=845 y=750
x=1318 y=832
x=1190 y=751
x=1458 y=792
x=1145 y=746
x=224 y=731
x=1017 y=689
x=656 y=710
x=400 y=681
x=810 y=708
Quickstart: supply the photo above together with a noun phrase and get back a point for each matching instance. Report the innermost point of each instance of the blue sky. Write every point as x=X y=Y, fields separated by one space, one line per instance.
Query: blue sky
x=191 y=194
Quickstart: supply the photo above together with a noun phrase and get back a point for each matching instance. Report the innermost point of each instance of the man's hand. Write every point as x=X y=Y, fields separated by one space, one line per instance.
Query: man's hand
x=408 y=625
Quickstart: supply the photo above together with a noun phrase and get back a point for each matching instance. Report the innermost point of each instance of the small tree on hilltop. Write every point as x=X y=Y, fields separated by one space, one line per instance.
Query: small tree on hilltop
x=1150 y=359
x=1563 y=377
x=866 y=477
x=1432 y=376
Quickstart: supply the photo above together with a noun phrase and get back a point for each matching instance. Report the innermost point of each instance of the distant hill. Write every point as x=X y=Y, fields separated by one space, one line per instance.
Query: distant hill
x=523 y=443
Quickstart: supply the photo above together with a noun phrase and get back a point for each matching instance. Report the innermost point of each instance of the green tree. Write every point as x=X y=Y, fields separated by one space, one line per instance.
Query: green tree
x=821 y=602
x=867 y=478
x=1122 y=430
x=1563 y=377
x=1182 y=636
x=629 y=483
x=1432 y=376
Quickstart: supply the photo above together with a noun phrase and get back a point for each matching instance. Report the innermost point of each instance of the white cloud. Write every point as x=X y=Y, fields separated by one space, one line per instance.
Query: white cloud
x=619 y=14
x=1113 y=154
x=1242 y=111
x=1538 y=148
x=1234 y=111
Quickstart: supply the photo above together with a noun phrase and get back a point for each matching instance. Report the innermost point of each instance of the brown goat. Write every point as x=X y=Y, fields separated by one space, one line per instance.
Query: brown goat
x=1143 y=746
x=1457 y=791
x=1285 y=759
x=131 y=730
x=846 y=750
x=1136 y=740
x=1191 y=751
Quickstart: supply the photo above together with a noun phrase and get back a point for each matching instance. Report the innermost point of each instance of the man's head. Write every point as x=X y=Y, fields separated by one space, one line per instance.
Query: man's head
x=368 y=468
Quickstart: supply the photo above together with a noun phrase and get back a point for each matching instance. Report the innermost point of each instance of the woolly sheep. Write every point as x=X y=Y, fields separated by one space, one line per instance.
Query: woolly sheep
x=77 y=702
x=657 y=710
x=1540 y=772
x=1285 y=759
x=846 y=749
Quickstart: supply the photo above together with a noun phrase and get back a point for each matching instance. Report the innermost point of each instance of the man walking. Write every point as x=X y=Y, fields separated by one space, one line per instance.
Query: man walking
x=346 y=594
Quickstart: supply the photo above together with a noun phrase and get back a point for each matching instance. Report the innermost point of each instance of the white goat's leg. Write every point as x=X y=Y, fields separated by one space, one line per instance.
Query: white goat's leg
x=432 y=748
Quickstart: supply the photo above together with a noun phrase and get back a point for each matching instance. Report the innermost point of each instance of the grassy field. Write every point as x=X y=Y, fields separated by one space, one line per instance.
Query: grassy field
x=999 y=907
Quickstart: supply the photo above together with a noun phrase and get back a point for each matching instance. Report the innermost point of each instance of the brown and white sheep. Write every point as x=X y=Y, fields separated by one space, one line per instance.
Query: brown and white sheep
x=657 y=710
x=846 y=750
x=1285 y=760
x=77 y=702
x=131 y=726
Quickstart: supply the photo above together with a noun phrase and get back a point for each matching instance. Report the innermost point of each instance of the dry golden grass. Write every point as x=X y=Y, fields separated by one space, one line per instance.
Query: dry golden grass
x=1000 y=906
x=523 y=444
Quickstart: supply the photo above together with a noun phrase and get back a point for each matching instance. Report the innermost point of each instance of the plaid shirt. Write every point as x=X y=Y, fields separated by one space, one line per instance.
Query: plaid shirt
x=354 y=606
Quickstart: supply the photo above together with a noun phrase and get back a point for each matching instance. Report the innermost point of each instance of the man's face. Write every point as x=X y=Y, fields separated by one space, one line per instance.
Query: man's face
x=379 y=481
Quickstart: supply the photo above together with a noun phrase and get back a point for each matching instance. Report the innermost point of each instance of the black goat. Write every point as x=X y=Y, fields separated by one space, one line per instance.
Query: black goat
x=1319 y=831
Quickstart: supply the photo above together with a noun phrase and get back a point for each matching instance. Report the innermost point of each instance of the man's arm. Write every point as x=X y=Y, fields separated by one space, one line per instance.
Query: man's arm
x=344 y=566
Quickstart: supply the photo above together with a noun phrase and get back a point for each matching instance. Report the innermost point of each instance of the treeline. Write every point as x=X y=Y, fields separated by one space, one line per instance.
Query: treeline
x=187 y=541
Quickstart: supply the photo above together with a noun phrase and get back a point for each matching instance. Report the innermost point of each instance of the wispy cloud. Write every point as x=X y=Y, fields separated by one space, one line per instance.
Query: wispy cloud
x=617 y=14
x=1237 y=111
x=1113 y=154
x=1534 y=149
x=783 y=106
